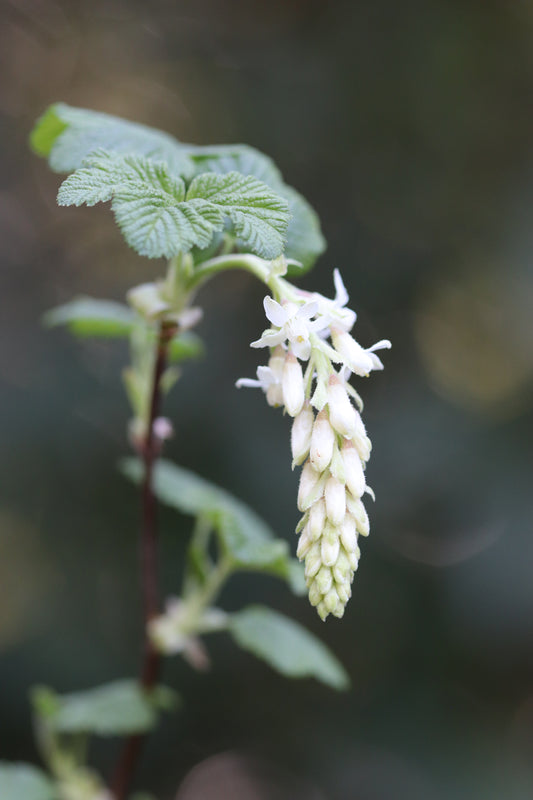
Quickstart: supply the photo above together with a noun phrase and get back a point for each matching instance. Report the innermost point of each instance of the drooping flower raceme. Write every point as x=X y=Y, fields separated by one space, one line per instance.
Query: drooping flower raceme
x=328 y=435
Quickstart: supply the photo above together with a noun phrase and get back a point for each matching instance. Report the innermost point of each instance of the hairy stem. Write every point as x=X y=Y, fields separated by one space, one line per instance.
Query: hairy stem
x=150 y=449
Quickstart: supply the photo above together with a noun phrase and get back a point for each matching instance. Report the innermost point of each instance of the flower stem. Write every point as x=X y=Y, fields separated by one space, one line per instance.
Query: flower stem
x=150 y=450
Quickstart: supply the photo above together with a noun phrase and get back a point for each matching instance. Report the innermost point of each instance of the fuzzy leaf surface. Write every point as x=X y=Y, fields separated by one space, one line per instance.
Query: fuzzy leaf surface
x=243 y=535
x=24 y=782
x=67 y=135
x=159 y=218
x=304 y=240
x=286 y=646
x=259 y=216
x=114 y=709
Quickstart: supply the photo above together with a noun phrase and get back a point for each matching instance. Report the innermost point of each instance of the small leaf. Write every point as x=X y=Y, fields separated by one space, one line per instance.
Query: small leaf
x=286 y=646
x=259 y=215
x=24 y=782
x=115 y=709
x=244 y=536
x=86 y=316
x=67 y=135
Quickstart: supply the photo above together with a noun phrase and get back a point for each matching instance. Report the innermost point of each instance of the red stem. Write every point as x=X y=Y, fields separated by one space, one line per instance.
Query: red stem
x=150 y=450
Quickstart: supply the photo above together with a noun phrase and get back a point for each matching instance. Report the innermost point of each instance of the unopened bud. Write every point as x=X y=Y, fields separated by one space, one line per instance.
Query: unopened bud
x=311 y=487
x=353 y=469
x=329 y=546
x=341 y=411
x=301 y=434
x=317 y=519
x=335 y=495
x=292 y=385
x=322 y=442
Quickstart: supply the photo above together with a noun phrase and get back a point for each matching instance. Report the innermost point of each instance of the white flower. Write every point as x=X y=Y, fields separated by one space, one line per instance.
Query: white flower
x=355 y=357
x=268 y=378
x=293 y=324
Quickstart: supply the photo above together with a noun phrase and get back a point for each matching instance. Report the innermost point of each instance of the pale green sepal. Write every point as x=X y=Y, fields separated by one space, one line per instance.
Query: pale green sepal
x=25 y=782
x=286 y=646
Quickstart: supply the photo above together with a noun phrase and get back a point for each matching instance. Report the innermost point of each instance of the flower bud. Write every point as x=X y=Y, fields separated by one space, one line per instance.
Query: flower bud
x=315 y=595
x=317 y=519
x=329 y=546
x=313 y=561
x=331 y=601
x=324 y=580
x=292 y=385
x=311 y=487
x=353 y=469
x=357 y=509
x=322 y=442
x=335 y=495
x=341 y=412
x=348 y=534
x=304 y=544
x=274 y=394
x=301 y=434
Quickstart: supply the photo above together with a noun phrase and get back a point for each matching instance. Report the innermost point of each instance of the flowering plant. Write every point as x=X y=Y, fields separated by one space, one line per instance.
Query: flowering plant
x=207 y=210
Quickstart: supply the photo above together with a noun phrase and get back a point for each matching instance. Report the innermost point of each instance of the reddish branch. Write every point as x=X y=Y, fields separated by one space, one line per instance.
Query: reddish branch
x=149 y=452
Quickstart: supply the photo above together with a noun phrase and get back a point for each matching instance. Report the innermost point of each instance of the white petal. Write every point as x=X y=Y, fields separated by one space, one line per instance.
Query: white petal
x=308 y=310
x=341 y=295
x=269 y=338
x=274 y=312
x=249 y=383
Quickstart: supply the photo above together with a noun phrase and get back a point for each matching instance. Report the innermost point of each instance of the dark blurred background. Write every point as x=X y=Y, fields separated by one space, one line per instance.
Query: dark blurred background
x=409 y=126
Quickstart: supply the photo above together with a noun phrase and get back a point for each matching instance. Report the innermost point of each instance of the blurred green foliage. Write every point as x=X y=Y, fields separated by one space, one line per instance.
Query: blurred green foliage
x=408 y=127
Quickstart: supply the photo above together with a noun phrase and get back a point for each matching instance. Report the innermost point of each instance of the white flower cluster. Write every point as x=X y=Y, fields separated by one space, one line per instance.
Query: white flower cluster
x=327 y=433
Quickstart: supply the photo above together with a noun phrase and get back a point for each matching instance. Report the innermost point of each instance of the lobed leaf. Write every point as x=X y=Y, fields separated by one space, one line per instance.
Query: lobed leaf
x=24 y=782
x=114 y=709
x=286 y=646
x=304 y=239
x=259 y=216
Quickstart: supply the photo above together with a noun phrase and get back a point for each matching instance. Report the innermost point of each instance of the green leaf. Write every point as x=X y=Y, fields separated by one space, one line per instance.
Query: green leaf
x=24 y=782
x=259 y=216
x=244 y=536
x=68 y=135
x=86 y=316
x=286 y=646
x=305 y=242
x=115 y=709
